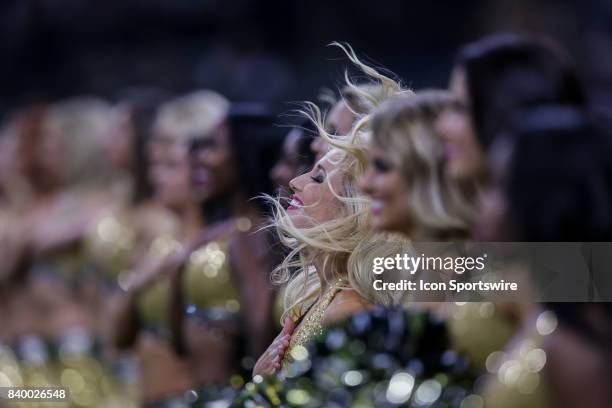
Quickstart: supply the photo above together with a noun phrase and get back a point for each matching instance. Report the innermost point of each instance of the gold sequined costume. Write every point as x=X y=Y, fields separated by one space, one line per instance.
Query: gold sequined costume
x=311 y=324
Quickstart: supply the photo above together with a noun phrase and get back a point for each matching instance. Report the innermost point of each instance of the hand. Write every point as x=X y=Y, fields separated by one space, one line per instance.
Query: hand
x=270 y=360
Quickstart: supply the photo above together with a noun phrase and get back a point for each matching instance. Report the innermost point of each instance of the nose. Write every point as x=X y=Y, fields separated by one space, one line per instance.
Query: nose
x=198 y=156
x=294 y=185
x=274 y=172
x=276 y=175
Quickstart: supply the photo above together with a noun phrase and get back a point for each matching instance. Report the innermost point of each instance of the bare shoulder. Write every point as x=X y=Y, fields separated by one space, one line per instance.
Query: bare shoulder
x=346 y=303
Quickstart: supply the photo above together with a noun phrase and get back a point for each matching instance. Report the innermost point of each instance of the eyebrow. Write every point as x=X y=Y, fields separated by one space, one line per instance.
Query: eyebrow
x=319 y=166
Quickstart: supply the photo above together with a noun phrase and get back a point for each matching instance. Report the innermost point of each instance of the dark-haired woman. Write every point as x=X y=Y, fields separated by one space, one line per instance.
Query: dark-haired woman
x=134 y=244
x=296 y=156
x=553 y=182
x=221 y=292
x=492 y=78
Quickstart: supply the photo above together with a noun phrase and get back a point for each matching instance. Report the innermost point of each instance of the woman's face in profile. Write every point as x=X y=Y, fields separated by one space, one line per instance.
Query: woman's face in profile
x=8 y=163
x=169 y=173
x=492 y=222
x=49 y=152
x=465 y=159
x=119 y=141
x=384 y=183
x=313 y=202
x=212 y=168
x=287 y=166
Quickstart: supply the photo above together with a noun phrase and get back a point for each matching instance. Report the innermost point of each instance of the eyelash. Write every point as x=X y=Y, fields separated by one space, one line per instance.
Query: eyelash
x=381 y=166
x=317 y=179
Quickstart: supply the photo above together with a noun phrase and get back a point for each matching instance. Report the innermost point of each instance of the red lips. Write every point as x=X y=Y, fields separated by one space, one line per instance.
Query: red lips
x=295 y=203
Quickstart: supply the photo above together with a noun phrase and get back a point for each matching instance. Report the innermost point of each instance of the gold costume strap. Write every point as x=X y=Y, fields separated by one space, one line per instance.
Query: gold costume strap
x=312 y=323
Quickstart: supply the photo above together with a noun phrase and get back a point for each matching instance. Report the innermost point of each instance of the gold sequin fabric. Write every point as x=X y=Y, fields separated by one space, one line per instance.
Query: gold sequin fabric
x=312 y=325
x=207 y=283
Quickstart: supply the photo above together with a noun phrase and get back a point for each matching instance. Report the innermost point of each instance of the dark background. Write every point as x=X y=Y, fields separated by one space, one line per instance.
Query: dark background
x=269 y=50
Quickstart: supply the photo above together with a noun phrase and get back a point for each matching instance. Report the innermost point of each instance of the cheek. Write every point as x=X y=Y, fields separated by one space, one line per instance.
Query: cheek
x=49 y=150
x=283 y=171
x=182 y=178
x=175 y=176
x=321 y=203
x=222 y=157
x=398 y=197
x=457 y=128
x=119 y=138
x=492 y=220
x=330 y=211
x=389 y=183
x=469 y=142
x=159 y=175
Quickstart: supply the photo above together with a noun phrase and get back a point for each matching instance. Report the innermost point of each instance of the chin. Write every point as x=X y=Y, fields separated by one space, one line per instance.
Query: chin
x=387 y=224
x=376 y=223
x=380 y=223
x=456 y=172
x=204 y=194
x=299 y=220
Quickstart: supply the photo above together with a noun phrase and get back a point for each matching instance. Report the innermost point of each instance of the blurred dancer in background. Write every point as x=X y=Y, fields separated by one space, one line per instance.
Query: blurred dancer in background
x=296 y=156
x=63 y=162
x=356 y=101
x=119 y=237
x=413 y=195
x=9 y=172
x=406 y=178
x=130 y=131
x=493 y=78
x=222 y=298
x=525 y=167
x=167 y=222
x=56 y=301
x=501 y=79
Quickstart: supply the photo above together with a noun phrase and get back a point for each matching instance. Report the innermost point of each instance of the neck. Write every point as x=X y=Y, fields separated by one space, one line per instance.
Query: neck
x=321 y=273
x=418 y=234
x=231 y=205
x=324 y=271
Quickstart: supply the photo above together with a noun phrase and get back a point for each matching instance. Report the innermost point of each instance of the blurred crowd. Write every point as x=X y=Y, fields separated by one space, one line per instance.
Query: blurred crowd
x=166 y=250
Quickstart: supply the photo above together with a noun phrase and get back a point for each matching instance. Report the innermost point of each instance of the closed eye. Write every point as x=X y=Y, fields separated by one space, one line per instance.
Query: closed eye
x=319 y=175
x=381 y=165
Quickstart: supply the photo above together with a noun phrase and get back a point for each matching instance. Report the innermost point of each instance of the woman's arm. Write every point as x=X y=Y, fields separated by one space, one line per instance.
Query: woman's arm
x=125 y=319
x=271 y=360
x=177 y=301
x=577 y=371
x=251 y=264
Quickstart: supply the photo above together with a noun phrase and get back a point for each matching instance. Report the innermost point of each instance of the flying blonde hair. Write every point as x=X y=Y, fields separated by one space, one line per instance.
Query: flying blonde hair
x=346 y=245
x=193 y=115
x=82 y=124
x=405 y=129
